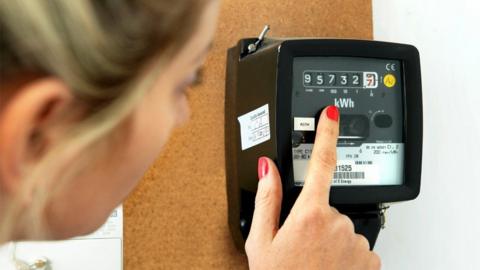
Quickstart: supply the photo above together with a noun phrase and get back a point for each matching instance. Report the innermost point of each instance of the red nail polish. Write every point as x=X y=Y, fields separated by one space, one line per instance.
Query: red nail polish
x=262 y=167
x=332 y=113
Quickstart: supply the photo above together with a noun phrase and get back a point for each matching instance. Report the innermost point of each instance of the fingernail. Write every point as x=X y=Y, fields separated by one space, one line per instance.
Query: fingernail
x=262 y=167
x=332 y=113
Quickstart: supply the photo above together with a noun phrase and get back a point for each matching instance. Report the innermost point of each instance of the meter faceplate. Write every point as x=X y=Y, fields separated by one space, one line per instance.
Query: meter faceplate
x=411 y=115
x=369 y=94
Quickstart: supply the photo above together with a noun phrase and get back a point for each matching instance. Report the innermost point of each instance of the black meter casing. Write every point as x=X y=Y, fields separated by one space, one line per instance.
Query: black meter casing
x=254 y=79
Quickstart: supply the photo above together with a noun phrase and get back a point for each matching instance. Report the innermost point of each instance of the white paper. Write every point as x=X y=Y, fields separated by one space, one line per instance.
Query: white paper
x=254 y=127
x=100 y=250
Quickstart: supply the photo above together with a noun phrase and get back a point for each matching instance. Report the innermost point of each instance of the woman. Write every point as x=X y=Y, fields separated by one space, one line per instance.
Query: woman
x=91 y=90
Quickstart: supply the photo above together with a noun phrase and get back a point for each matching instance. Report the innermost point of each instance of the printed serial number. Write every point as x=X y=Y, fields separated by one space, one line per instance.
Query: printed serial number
x=344 y=168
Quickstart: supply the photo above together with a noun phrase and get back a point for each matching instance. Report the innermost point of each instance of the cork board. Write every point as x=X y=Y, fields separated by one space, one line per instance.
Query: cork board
x=177 y=216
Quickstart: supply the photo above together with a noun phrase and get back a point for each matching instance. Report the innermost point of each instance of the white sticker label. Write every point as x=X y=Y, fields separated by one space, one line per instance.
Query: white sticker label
x=354 y=172
x=254 y=127
x=304 y=123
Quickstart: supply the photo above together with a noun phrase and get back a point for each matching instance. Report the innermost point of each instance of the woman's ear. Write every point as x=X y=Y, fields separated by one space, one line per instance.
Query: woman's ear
x=26 y=125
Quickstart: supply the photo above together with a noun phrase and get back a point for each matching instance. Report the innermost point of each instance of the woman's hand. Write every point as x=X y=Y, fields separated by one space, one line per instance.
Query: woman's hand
x=314 y=235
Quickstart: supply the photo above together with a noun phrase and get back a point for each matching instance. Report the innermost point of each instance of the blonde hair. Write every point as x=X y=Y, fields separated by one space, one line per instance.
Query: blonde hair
x=99 y=49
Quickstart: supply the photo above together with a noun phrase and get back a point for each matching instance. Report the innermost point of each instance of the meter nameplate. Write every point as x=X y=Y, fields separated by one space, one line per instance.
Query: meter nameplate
x=369 y=164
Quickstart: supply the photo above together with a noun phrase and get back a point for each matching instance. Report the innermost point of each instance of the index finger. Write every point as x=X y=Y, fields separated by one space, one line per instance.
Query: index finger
x=323 y=159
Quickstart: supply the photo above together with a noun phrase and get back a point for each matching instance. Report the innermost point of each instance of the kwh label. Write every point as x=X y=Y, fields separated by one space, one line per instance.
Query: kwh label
x=344 y=103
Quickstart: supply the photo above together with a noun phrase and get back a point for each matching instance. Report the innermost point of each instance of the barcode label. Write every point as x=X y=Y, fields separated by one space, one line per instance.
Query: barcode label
x=363 y=162
x=349 y=175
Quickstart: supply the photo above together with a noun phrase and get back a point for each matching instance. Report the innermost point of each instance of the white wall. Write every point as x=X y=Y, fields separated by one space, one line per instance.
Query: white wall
x=441 y=228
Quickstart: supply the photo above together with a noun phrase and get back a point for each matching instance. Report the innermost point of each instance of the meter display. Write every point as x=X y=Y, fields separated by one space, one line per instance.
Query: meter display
x=368 y=92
